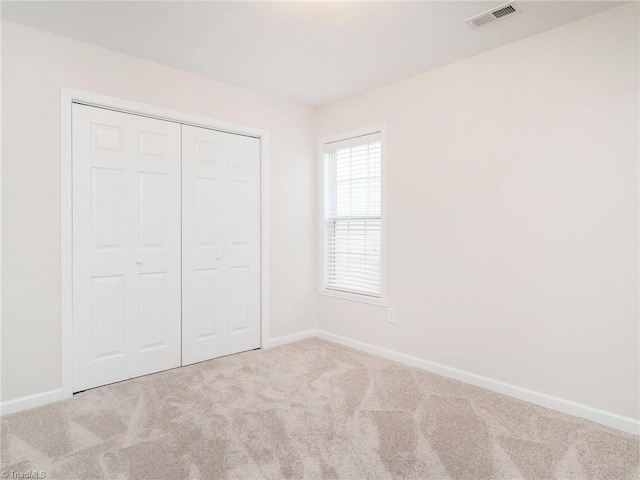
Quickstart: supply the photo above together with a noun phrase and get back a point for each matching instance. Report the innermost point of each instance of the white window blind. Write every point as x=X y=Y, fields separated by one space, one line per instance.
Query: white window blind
x=352 y=216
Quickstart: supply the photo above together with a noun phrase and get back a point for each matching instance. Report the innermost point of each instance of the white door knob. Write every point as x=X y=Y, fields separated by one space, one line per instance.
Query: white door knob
x=139 y=262
x=218 y=257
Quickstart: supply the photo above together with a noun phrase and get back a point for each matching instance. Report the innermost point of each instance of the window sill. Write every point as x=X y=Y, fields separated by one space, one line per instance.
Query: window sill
x=354 y=297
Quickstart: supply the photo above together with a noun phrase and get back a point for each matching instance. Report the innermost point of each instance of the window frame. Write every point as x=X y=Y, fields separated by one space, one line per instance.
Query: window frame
x=382 y=300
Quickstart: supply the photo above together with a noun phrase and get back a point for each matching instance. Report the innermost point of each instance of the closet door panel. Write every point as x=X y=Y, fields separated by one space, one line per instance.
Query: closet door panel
x=204 y=309
x=221 y=215
x=156 y=161
x=243 y=243
x=126 y=246
x=102 y=271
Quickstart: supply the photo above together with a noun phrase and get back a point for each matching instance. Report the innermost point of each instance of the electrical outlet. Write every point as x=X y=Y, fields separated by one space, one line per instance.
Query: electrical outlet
x=392 y=315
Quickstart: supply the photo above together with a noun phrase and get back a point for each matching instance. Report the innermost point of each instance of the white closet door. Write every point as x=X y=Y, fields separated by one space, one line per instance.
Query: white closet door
x=221 y=244
x=126 y=246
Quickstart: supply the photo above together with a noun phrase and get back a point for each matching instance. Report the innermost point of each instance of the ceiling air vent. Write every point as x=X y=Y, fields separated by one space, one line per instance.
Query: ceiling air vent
x=490 y=16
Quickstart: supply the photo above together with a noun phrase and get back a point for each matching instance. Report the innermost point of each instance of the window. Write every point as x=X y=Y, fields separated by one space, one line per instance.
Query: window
x=352 y=222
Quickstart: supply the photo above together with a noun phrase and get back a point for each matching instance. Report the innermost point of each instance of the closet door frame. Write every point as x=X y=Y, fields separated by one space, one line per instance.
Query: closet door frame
x=70 y=96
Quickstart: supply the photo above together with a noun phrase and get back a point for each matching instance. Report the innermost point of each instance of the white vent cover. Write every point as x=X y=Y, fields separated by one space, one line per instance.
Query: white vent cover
x=485 y=18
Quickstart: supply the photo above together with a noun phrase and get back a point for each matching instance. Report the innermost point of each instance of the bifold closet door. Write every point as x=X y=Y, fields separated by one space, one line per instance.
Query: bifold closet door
x=126 y=246
x=221 y=244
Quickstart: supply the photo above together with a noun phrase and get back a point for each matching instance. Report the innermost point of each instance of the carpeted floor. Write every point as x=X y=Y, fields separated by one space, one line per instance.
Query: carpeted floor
x=312 y=409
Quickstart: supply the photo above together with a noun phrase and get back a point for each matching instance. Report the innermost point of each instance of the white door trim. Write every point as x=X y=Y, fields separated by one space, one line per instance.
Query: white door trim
x=67 y=98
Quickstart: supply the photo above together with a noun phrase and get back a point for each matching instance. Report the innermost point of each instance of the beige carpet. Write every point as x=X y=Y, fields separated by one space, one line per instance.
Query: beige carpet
x=311 y=409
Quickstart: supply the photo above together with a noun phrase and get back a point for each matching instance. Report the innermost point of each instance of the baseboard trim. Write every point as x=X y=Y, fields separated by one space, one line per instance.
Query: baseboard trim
x=294 y=337
x=576 y=409
x=30 y=401
x=603 y=417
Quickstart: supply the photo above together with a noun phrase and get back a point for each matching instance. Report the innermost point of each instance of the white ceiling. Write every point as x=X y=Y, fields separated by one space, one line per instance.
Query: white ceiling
x=310 y=52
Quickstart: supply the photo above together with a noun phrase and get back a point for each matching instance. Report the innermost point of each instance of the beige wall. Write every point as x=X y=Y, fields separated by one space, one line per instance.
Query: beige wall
x=512 y=223
x=35 y=65
x=512 y=187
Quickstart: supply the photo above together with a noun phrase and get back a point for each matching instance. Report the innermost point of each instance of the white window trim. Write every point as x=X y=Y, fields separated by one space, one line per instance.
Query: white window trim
x=383 y=300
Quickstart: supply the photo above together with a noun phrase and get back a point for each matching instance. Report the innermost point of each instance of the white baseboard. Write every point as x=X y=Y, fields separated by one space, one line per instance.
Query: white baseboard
x=294 y=337
x=619 y=422
x=603 y=417
x=39 y=399
x=31 y=401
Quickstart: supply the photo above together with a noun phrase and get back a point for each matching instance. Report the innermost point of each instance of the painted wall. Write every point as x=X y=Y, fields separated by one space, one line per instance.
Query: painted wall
x=35 y=65
x=512 y=221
